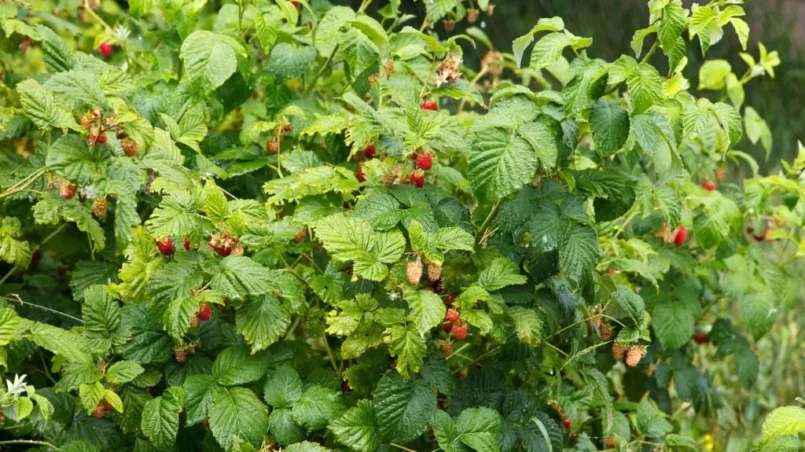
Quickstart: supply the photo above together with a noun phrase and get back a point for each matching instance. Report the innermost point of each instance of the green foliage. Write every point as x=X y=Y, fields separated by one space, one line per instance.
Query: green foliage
x=247 y=228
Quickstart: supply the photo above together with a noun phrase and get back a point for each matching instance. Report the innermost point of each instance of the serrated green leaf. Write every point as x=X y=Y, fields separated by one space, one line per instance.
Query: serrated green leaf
x=238 y=413
x=405 y=408
x=235 y=366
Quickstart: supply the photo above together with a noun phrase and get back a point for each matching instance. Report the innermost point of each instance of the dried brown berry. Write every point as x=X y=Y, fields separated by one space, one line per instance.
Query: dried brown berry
x=129 y=147
x=414 y=271
x=434 y=272
x=100 y=207
x=619 y=351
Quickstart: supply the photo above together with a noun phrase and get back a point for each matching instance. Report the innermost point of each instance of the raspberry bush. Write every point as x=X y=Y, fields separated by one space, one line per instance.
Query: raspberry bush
x=275 y=225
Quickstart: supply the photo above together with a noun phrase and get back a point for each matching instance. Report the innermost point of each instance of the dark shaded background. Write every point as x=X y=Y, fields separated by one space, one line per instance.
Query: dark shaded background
x=612 y=23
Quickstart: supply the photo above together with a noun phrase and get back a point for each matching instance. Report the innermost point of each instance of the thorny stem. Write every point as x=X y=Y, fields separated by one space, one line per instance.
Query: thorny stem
x=29 y=442
x=489 y=217
x=23 y=184
x=321 y=71
x=16 y=298
x=651 y=51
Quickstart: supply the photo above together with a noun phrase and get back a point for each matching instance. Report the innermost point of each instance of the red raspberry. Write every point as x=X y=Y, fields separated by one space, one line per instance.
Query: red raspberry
x=369 y=151
x=98 y=413
x=105 y=49
x=680 y=236
x=452 y=315
x=272 y=146
x=206 y=422
x=68 y=190
x=447 y=327
x=204 y=312
x=165 y=246
x=709 y=185
x=429 y=105
x=106 y=405
x=460 y=331
x=425 y=161
x=296 y=4
x=187 y=244
x=610 y=442
x=568 y=422
x=97 y=139
x=700 y=338
x=418 y=179
x=361 y=176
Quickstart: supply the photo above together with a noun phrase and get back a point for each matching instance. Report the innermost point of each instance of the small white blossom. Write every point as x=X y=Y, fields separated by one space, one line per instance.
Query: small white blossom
x=89 y=192
x=17 y=386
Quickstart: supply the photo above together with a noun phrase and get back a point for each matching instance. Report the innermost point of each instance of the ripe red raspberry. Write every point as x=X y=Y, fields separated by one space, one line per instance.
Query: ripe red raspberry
x=418 y=179
x=460 y=331
x=68 y=190
x=680 y=236
x=361 y=176
x=300 y=236
x=369 y=151
x=568 y=422
x=296 y=4
x=425 y=161
x=429 y=105
x=204 y=312
x=447 y=349
x=452 y=315
x=97 y=139
x=618 y=351
x=187 y=244
x=709 y=185
x=414 y=271
x=272 y=146
x=165 y=246
x=700 y=337
x=434 y=272
x=105 y=49
x=634 y=355
x=98 y=412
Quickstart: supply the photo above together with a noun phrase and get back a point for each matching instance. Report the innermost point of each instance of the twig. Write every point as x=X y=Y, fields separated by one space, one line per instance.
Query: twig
x=16 y=297
x=651 y=51
x=489 y=217
x=321 y=71
x=29 y=442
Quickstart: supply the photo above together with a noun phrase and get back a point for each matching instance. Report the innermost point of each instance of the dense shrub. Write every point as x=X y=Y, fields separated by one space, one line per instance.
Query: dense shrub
x=289 y=225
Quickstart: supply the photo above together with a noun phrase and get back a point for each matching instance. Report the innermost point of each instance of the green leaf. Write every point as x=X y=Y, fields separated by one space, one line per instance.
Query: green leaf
x=284 y=428
x=610 y=126
x=579 y=255
x=713 y=74
x=500 y=163
x=757 y=129
x=10 y=325
x=499 y=274
x=91 y=395
x=66 y=344
x=39 y=106
x=12 y=250
x=479 y=428
x=306 y=446
x=427 y=309
x=548 y=49
x=353 y=239
x=632 y=303
x=746 y=367
x=238 y=413
x=160 y=422
x=407 y=346
x=645 y=87
x=673 y=323
x=287 y=61
x=283 y=387
x=176 y=216
x=201 y=391
x=235 y=366
x=527 y=325
x=239 y=276
x=178 y=315
x=57 y=55
x=71 y=156
x=262 y=321
x=123 y=372
x=787 y=420
x=318 y=407
x=148 y=343
x=358 y=428
x=77 y=86
x=211 y=56
x=545 y=24
x=545 y=138
x=670 y=32
x=405 y=408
